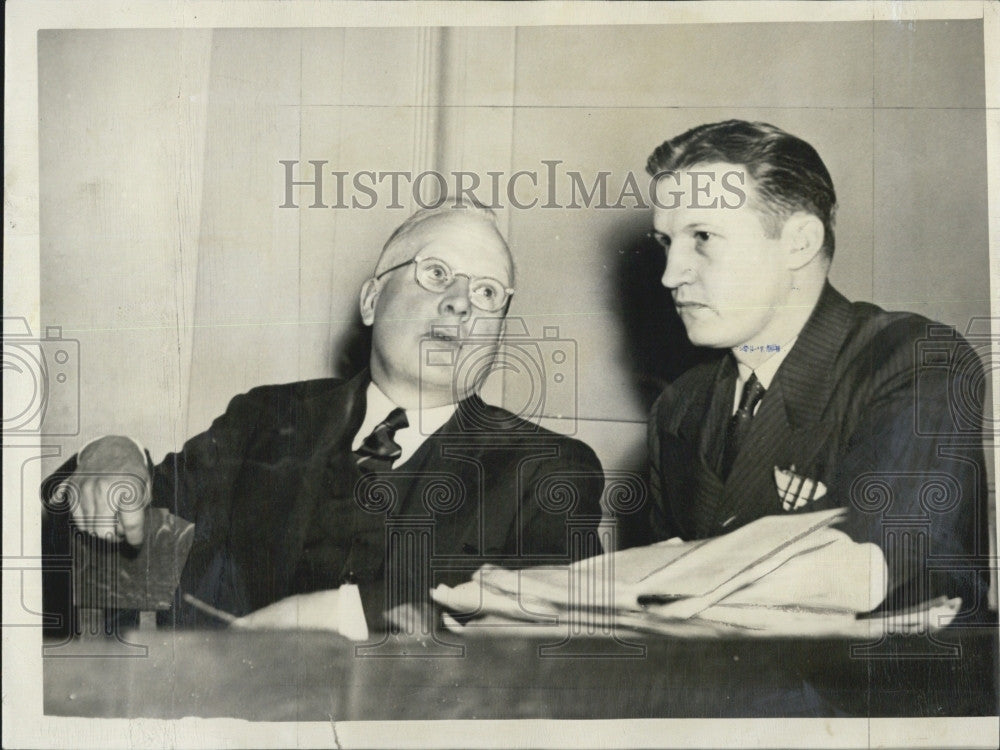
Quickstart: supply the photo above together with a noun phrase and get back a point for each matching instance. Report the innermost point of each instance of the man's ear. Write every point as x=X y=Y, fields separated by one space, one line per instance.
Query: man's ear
x=369 y=296
x=803 y=236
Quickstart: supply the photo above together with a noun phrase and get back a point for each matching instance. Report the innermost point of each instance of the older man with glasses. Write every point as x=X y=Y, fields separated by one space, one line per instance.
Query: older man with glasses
x=298 y=490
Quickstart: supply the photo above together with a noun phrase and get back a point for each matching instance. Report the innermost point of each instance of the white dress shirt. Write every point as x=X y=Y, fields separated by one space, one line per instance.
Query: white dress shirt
x=422 y=423
x=765 y=372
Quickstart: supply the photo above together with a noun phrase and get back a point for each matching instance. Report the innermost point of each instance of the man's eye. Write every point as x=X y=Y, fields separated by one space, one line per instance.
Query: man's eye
x=660 y=239
x=702 y=236
x=436 y=272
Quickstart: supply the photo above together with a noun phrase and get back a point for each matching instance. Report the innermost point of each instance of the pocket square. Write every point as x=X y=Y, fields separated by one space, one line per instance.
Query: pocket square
x=795 y=490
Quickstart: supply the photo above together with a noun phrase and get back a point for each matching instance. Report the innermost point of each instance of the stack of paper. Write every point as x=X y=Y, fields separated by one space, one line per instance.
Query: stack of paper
x=780 y=575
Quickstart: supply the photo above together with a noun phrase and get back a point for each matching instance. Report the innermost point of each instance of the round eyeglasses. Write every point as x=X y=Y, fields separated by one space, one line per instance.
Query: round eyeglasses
x=434 y=275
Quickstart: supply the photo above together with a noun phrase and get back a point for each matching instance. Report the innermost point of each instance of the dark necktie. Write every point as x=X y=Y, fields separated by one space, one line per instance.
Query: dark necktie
x=380 y=449
x=739 y=423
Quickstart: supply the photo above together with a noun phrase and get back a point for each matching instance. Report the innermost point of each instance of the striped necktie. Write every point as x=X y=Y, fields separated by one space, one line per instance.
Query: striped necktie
x=739 y=423
x=379 y=449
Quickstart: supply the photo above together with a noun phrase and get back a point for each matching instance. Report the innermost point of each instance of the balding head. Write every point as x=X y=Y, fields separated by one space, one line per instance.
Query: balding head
x=418 y=230
x=457 y=291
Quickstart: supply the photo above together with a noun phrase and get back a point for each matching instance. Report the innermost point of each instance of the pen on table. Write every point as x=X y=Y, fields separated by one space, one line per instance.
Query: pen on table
x=646 y=600
x=208 y=609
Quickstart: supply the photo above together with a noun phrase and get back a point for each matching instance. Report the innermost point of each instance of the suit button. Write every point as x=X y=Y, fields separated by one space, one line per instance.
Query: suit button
x=349 y=577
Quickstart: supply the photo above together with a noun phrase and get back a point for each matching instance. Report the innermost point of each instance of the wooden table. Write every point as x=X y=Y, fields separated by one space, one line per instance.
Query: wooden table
x=310 y=676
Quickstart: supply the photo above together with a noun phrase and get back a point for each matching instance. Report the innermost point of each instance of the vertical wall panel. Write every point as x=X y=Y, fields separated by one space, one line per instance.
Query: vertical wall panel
x=122 y=141
x=163 y=236
x=248 y=275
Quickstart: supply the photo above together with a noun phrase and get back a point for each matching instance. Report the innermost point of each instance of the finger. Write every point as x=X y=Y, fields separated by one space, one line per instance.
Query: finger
x=406 y=617
x=261 y=619
x=87 y=503
x=66 y=496
x=253 y=621
x=281 y=615
x=106 y=508
x=127 y=501
x=103 y=522
x=130 y=502
x=133 y=525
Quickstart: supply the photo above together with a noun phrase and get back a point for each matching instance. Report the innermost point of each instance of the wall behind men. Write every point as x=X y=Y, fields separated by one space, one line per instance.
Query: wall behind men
x=165 y=250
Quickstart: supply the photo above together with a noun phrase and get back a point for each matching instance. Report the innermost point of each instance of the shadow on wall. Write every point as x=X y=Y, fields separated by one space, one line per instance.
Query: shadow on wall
x=350 y=352
x=654 y=345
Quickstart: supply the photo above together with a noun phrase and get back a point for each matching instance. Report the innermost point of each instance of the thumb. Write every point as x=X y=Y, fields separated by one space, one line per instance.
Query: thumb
x=133 y=525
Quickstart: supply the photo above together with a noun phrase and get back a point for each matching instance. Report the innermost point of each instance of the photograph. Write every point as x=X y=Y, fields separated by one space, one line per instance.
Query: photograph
x=501 y=374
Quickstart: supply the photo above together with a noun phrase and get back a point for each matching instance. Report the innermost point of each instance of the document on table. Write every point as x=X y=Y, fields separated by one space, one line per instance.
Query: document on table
x=673 y=578
x=730 y=583
x=745 y=621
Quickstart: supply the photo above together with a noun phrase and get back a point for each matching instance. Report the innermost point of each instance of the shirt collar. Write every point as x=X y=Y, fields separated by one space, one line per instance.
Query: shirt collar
x=422 y=422
x=765 y=371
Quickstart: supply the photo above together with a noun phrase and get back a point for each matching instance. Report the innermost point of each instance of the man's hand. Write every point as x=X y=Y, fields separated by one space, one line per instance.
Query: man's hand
x=316 y=611
x=110 y=489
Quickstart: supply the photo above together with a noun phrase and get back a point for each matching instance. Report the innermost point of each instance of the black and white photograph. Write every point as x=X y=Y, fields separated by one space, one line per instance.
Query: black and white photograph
x=501 y=374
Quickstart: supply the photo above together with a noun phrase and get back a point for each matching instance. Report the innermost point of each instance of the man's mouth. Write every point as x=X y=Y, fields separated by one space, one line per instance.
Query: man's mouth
x=689 y=306
x=449 y=334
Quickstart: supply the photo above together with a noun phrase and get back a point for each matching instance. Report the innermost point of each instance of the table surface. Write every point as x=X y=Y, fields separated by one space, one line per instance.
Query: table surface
x=313 y=676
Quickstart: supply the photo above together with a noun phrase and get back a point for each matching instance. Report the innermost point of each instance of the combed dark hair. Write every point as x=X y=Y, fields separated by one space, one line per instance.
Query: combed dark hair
x=787 y=173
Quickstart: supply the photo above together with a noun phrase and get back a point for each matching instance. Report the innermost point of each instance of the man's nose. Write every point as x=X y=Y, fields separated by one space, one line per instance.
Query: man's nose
x=455 y=300
x=678 y=270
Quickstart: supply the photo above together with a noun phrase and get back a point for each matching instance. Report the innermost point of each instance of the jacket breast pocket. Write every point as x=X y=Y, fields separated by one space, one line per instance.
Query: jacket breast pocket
x=804 y=467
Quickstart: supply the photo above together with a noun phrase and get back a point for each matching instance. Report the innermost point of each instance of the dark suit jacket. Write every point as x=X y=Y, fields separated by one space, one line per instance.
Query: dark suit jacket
x=881 y=407
x=487 y=487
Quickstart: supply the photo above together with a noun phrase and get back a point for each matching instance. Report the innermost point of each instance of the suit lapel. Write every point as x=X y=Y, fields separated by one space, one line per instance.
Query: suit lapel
x=807 y=375
x=749 y=493
x=327 y=421
x=461 y=450
x=703 y=425
x=703 y=422
x=790 y=412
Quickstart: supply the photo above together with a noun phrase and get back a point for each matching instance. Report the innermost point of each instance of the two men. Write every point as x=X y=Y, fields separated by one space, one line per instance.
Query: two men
x=314 y=500
x=821 y=402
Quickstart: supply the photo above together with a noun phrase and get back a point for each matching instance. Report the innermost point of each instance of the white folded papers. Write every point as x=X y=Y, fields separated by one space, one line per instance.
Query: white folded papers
x=779 y=575
x=671 y=579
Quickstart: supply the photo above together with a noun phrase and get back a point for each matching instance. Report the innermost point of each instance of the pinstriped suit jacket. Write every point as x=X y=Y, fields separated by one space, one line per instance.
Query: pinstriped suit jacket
x=883 y=408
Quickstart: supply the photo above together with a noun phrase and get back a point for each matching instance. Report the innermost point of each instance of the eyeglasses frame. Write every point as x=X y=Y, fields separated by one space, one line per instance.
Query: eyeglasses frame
x=416 y=259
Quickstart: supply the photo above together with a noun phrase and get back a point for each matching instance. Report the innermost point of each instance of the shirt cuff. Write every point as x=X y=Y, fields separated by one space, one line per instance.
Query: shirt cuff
x=351 y=614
